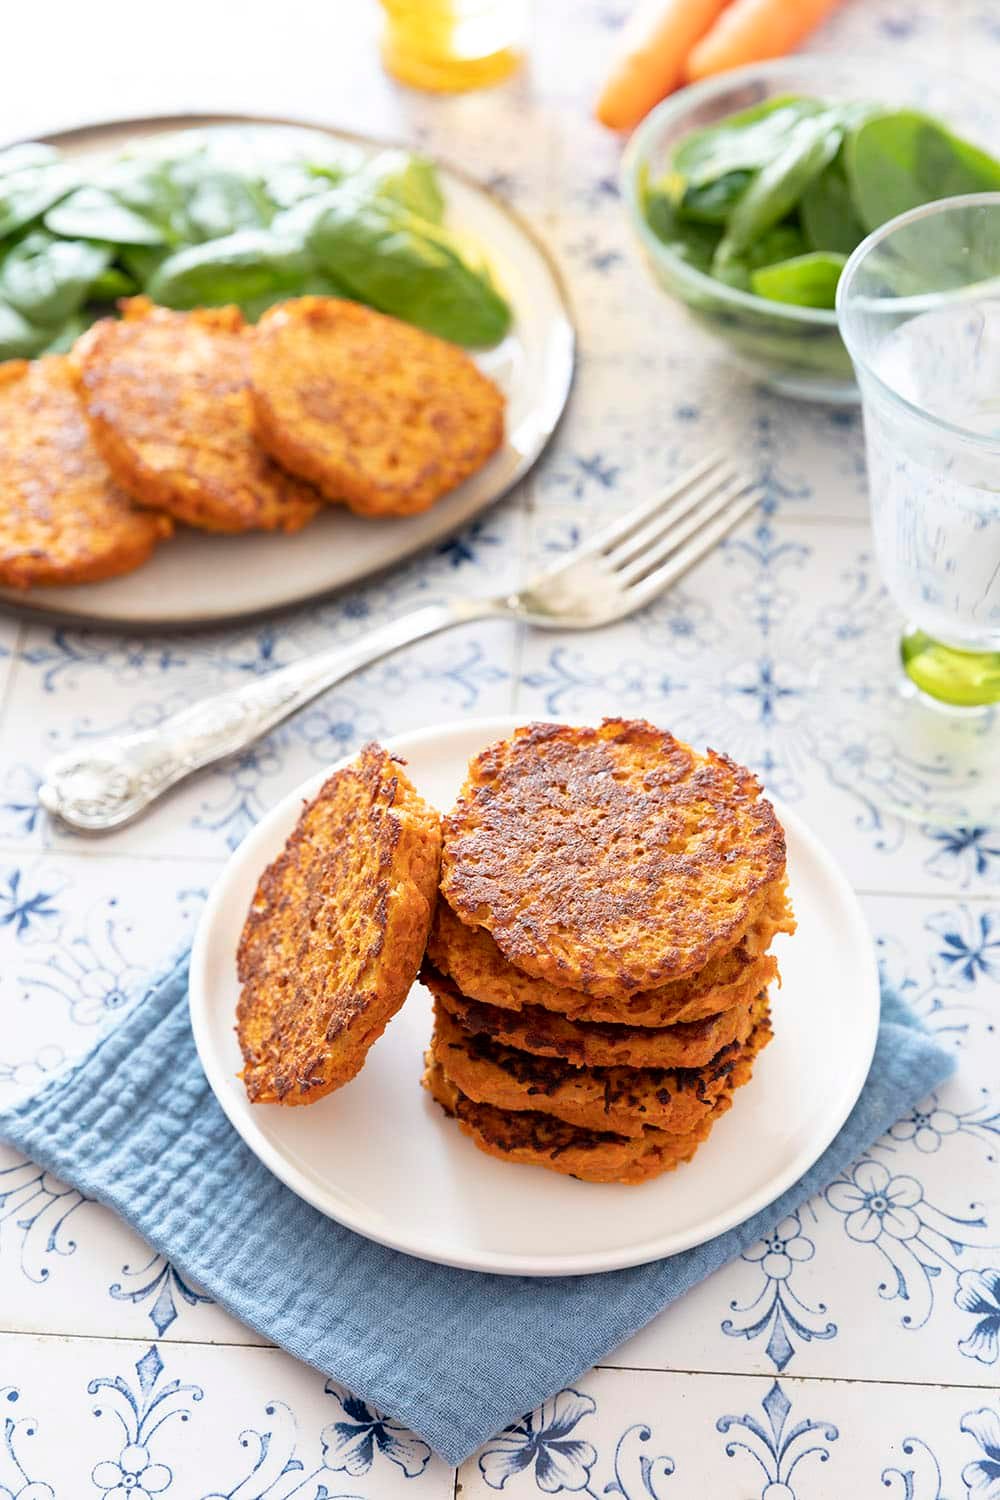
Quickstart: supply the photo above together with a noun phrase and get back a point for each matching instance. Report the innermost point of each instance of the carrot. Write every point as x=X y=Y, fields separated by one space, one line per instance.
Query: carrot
x=649 y=60
x=750 y=30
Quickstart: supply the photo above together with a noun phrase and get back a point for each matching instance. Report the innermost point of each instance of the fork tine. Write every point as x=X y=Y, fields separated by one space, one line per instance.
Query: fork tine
x=646 y=589
x=661 y=541
x=616 y=530
x=704 y=493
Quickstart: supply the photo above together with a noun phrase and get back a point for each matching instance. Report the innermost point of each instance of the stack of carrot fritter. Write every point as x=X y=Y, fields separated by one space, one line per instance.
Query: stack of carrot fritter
x=599 y=963
x=162 y=417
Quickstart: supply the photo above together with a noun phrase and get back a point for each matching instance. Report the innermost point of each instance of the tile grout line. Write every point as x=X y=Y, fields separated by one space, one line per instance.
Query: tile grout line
x=6 y=697
x=127 y=1338
x=919 y=1385
x=525 y=521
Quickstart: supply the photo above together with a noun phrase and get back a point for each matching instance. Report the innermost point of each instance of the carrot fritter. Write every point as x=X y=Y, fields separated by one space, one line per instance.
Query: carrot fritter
x=623 y=1100
x=377 y=414
x=596 y=1044
x=63 y=519
x=471 y=958
x=336 y=931
x=168 y=398
x=538 y=1140
x=610 y=860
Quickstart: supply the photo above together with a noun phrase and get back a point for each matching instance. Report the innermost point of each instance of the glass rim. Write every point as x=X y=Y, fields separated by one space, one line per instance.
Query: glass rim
x=924 y=302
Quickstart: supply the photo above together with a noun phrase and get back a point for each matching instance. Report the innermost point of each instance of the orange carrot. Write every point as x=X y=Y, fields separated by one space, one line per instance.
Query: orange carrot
x=649 y=60
x=750 y=30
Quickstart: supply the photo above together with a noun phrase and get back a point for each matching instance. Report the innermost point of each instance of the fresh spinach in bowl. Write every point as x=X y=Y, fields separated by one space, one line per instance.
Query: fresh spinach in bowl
x=206 y=218
x=773 y=199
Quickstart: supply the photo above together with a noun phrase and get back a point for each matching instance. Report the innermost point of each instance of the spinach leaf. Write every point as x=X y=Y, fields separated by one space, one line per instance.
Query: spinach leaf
x=142 y=262
x=695 y=243
x=111 y=284
x=146 y=186
x=806 y=280
x=810 y=146
x=27 y=194
x=18 y=338
x=218 y=195
x=410 y=181
x=288 y=183
x=713 y=202
x=402 y=265
x=745 y=141
x=242 y=267
x=28 y=154
x=782 y=242
x=900 y=159
x=733 y=270
x=92 y=213
x=827 y=212
x=46 y=279
x=221 y=204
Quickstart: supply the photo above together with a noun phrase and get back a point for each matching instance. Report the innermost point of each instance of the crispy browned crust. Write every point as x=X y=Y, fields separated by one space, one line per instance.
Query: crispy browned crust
x=168 y=398
x=537 y=1140
x=610 y=860
x=374 y=412
x=622 y=1100
x=63 y=519
x=335 y=932
x=470 y=957
x=595 y=1044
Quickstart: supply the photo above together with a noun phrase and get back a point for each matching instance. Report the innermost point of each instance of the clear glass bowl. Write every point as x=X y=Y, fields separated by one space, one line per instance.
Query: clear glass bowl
x=795 y=350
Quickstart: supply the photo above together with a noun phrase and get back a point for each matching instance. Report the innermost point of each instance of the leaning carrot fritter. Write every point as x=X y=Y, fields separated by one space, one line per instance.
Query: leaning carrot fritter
x=336 y=931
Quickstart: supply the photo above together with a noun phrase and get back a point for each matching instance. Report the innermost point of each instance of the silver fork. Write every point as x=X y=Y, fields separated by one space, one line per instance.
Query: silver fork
x=622 y=567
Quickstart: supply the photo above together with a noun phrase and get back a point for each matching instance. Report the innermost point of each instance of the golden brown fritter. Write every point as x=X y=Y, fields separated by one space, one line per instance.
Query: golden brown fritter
x=538 y=1140
x=168 y=398
x=470 y=957
x=336 y=931
x=610 y=860
x=622 y=1100
x=375 y=413
x=63 y=519
x=595 y=1044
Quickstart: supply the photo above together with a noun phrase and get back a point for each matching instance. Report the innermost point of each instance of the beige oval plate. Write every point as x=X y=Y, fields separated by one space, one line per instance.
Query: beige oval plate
x=202 y=579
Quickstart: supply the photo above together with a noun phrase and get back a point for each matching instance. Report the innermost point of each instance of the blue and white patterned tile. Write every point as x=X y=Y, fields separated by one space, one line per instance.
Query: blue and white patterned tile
x=115 y=1417
x=79 y=943
x=631 y=428
x=651 y=1436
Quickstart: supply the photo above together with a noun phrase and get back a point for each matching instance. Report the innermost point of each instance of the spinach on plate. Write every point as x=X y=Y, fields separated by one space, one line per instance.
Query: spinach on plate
x=251 y=217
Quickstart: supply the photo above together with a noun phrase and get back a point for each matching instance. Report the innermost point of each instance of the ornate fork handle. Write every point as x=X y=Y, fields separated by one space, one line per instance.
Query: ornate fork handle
x=101 y=787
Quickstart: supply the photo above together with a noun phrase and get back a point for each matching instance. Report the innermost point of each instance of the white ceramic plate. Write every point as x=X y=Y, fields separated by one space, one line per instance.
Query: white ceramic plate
x=380 y=1157
x=200 y=579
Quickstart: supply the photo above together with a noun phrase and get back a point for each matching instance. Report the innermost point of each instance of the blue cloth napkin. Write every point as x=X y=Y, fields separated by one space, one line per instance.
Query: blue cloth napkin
x=455 y=1355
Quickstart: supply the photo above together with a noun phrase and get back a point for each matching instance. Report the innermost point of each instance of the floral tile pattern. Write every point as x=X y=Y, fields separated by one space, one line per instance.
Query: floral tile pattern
x=860 y=1338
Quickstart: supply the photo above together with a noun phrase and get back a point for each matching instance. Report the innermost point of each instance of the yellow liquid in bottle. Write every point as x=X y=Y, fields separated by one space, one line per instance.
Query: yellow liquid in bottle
x=450 y=45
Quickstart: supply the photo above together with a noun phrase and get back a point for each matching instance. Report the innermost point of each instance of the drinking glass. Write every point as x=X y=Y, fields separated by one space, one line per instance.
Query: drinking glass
x=919 y=310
